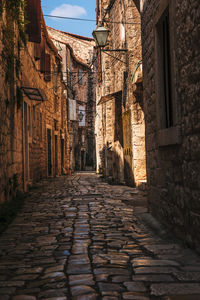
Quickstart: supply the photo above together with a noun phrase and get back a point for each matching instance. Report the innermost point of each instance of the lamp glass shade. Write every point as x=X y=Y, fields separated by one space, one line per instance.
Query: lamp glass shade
x=101 y=35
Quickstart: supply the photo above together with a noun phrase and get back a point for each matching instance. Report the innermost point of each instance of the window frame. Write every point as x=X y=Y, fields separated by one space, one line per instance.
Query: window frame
x=164 y=71
x=168 y=133
x=80 y=76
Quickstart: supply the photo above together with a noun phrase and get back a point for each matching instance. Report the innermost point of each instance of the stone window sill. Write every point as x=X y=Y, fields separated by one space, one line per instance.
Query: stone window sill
x=169 y=136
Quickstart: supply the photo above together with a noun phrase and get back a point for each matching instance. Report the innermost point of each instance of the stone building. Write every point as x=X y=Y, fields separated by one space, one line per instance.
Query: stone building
x=79 y=75
x=170 y=40
x=120 y=130
x=33 y=118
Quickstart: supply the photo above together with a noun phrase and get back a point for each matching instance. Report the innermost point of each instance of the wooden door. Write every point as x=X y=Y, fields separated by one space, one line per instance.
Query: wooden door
x=128 y=154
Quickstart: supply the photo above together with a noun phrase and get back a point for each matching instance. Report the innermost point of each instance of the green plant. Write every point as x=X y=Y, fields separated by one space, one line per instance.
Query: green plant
x=17 y=66
x=15 y=14
x=8 y=49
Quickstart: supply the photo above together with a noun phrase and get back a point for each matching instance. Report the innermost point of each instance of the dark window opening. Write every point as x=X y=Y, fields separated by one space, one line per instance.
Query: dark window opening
x=164 y=70
x=33 y=28
x=37 y=51
x=118 y=119
x=80 y=76
x=42 y=58
x=47 y=73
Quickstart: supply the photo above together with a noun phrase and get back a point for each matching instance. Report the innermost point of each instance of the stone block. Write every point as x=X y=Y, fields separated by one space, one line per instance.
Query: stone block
x=161 y=289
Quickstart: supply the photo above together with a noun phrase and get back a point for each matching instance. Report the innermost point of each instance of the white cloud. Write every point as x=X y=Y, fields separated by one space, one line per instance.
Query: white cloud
x=67 y=10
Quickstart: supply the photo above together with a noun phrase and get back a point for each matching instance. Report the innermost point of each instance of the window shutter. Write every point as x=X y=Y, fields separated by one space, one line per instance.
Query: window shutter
x=37 y=51
x=42 y=60
x=33 y=10
x=47 y=74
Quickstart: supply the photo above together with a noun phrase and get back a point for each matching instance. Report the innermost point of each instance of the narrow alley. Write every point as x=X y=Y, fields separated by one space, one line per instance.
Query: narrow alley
x=78 y=237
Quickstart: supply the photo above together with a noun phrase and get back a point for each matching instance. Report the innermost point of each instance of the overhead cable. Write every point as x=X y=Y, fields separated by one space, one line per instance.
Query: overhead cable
x=90 y=20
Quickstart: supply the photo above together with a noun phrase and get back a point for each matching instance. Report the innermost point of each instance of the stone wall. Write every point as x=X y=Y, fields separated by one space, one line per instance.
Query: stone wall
x=24 y=122
x=118 y=83
x=173 y=159
x=78 y=56
x=82 y=46
x=10 y=132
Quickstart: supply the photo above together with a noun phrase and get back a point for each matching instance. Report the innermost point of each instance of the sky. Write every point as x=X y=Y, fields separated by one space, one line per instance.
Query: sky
x=84 y=9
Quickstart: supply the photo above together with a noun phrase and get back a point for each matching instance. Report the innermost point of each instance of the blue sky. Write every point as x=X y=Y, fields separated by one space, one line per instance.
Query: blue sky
x=84 y=9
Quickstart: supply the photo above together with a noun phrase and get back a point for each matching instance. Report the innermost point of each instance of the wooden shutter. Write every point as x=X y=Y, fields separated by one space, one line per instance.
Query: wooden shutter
x=33 y=11
x=47 y=74
x=42 y=60
x=37 y=51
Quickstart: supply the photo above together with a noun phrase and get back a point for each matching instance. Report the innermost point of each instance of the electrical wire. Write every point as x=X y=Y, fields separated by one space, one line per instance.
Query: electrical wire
x=77 y=82
x=85 y=73
x=70 y=18
x=91 y=20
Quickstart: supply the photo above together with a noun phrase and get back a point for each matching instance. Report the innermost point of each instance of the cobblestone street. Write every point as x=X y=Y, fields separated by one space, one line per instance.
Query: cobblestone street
x=79 y=238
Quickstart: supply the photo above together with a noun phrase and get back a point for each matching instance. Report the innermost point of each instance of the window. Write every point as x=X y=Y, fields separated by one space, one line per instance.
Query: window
x=37 y=51
x=42 y=57
x=47 y=73
x=164 y=71
x=55 y=78
x=80 y=76
x=169 y=130
x=122 y=33
x=33 y=12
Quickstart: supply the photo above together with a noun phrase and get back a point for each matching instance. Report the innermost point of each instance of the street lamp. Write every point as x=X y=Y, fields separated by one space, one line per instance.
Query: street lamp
x=100 y=35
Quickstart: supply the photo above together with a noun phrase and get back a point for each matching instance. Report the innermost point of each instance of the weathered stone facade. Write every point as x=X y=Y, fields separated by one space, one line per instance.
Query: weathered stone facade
x=120 y=127
x=173 y=135
x=79 y=75
x=33 y=118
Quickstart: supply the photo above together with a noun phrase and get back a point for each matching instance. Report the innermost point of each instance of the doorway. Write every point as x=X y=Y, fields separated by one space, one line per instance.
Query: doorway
x=26 y=147
x=82 y=160
x=56 y=155
x=49 y=165
x=62 y=154
x=128 y=153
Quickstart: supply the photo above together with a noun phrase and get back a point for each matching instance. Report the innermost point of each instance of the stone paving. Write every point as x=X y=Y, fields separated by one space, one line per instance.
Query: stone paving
x=79 y=238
